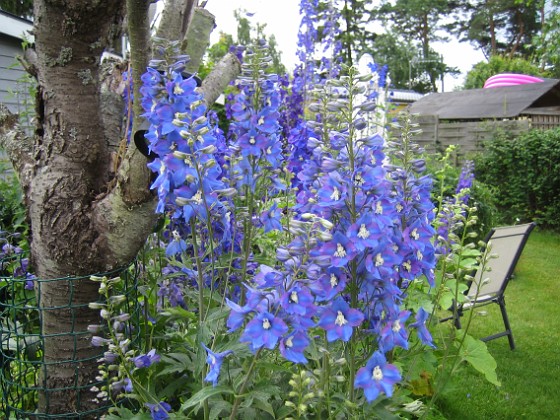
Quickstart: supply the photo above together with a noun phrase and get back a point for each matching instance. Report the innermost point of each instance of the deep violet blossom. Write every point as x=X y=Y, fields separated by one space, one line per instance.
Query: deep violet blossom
x=339 y=320
x=293 y=346
x=159 y=411
x=421 y=329
x=377 y=376
x=214 y=361
x=264 y=330
x=146 y=360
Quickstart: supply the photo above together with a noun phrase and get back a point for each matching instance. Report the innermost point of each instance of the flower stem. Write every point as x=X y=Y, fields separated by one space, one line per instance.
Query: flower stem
x=237 y=401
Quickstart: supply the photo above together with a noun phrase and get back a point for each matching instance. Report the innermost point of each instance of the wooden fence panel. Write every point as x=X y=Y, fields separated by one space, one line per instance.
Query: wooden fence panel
x=467 y=135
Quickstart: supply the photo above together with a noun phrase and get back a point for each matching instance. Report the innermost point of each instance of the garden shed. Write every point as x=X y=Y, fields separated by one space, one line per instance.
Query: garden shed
x=13 y=91
x=469 y=117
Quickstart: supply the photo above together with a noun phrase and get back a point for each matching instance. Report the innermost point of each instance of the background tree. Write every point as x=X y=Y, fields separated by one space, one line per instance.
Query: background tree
x=355 y=16
x=21 y=8
x=420 y=23
x=546 y=44
x=89 y=206
x=504 y=27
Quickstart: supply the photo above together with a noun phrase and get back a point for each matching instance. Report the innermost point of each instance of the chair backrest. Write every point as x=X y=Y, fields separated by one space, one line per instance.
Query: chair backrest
x=506 y=243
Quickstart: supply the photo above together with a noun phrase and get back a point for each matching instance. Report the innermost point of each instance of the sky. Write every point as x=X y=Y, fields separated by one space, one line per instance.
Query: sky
x=282 y=20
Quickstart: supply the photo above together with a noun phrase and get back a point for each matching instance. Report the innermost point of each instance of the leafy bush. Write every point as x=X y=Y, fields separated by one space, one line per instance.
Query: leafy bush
x=12 y=212
x=525 y=175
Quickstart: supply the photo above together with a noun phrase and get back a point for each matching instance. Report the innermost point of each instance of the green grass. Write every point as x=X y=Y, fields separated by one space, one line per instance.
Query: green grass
x=530 y=374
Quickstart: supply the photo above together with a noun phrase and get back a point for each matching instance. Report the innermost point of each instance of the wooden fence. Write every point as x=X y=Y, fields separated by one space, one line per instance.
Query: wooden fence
x=467 y=135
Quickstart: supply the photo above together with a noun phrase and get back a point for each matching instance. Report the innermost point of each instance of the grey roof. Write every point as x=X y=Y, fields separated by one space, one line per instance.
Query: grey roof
x=15 y=26
x=499 y=102
x=401 y=95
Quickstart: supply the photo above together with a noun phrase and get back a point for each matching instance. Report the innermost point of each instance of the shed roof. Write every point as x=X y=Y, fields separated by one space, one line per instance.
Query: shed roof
x=401 y=95
x=499 y=102
x=15 y=26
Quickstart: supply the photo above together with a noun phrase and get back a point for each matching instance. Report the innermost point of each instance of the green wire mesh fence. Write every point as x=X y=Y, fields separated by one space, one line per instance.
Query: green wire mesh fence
x=23 y=367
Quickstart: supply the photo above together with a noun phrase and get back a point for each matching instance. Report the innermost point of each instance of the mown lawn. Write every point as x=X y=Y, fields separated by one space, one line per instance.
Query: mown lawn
x=530 y=375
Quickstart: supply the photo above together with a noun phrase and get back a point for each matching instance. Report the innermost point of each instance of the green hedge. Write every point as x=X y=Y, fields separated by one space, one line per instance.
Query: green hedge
x=524 y=173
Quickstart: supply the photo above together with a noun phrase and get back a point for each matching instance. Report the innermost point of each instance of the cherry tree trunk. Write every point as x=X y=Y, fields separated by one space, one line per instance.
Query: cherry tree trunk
x=90 y=207
x=71 y=172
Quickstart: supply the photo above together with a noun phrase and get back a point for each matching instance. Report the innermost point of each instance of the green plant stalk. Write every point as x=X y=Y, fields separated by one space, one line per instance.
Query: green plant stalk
x=200 y=281
x=447 y=354
x=326 y=372
x=210 y=235
x=237 y=401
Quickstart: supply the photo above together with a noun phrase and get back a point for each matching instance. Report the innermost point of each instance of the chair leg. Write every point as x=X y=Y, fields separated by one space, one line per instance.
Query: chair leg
x=457 y=318
x=502 y=303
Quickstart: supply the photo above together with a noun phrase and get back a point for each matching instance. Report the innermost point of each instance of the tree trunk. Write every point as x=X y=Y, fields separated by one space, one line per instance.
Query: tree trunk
x=89 y=212
x=72 y=163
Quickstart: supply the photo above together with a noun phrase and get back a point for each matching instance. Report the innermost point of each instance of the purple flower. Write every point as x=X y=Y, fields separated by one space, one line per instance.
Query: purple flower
x=146 y=360
x=159 y=411
x=264 y=330
x=29 y=282
x=333 y=191
x=394 y=333
x=329 y=284
x=176 y=246
x=271 y=218
x=340 y=250
x=366 y=232
x=298 y=300
x=377 y=376
x=97 y=341
x=292 y=347
x=339 y=319
x=465 y=181
x=422 y=331
x=214 y=361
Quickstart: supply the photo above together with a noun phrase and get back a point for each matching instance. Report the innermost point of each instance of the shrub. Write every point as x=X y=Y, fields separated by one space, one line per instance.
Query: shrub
x=525 y=174
x=12 y=212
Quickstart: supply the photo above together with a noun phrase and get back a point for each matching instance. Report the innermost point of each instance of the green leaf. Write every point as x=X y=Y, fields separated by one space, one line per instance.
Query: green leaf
x=204 y=394
x=124 y=413
x=468 y=263
x=283 y=412
x=178 y=312
x=476 y=353
x=264 y=406
x=218 y=407
x=177 y=362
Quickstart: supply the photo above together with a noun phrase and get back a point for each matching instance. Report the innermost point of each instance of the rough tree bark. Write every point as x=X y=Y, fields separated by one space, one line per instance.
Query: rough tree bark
x=86 y=214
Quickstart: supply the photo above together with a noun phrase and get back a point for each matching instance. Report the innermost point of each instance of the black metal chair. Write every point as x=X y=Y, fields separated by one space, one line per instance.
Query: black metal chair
x=488 y=286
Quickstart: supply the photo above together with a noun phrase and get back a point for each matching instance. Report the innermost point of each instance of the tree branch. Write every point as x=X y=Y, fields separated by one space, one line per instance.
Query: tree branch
x=227 y=69
x=127 y=213
x=17 y=145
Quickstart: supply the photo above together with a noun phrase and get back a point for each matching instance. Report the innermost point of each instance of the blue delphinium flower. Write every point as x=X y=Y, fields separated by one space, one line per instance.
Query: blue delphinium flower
x=420 y=325
x=465 y=181
x=394 y=333
x=146 y=360
x=264 y=330
x=340 y=250
x=293 y=346
x=176 y=246
x=271 y=218
x=339 y=320
x=214 y=361
x=377 y=376
x=159 y=411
